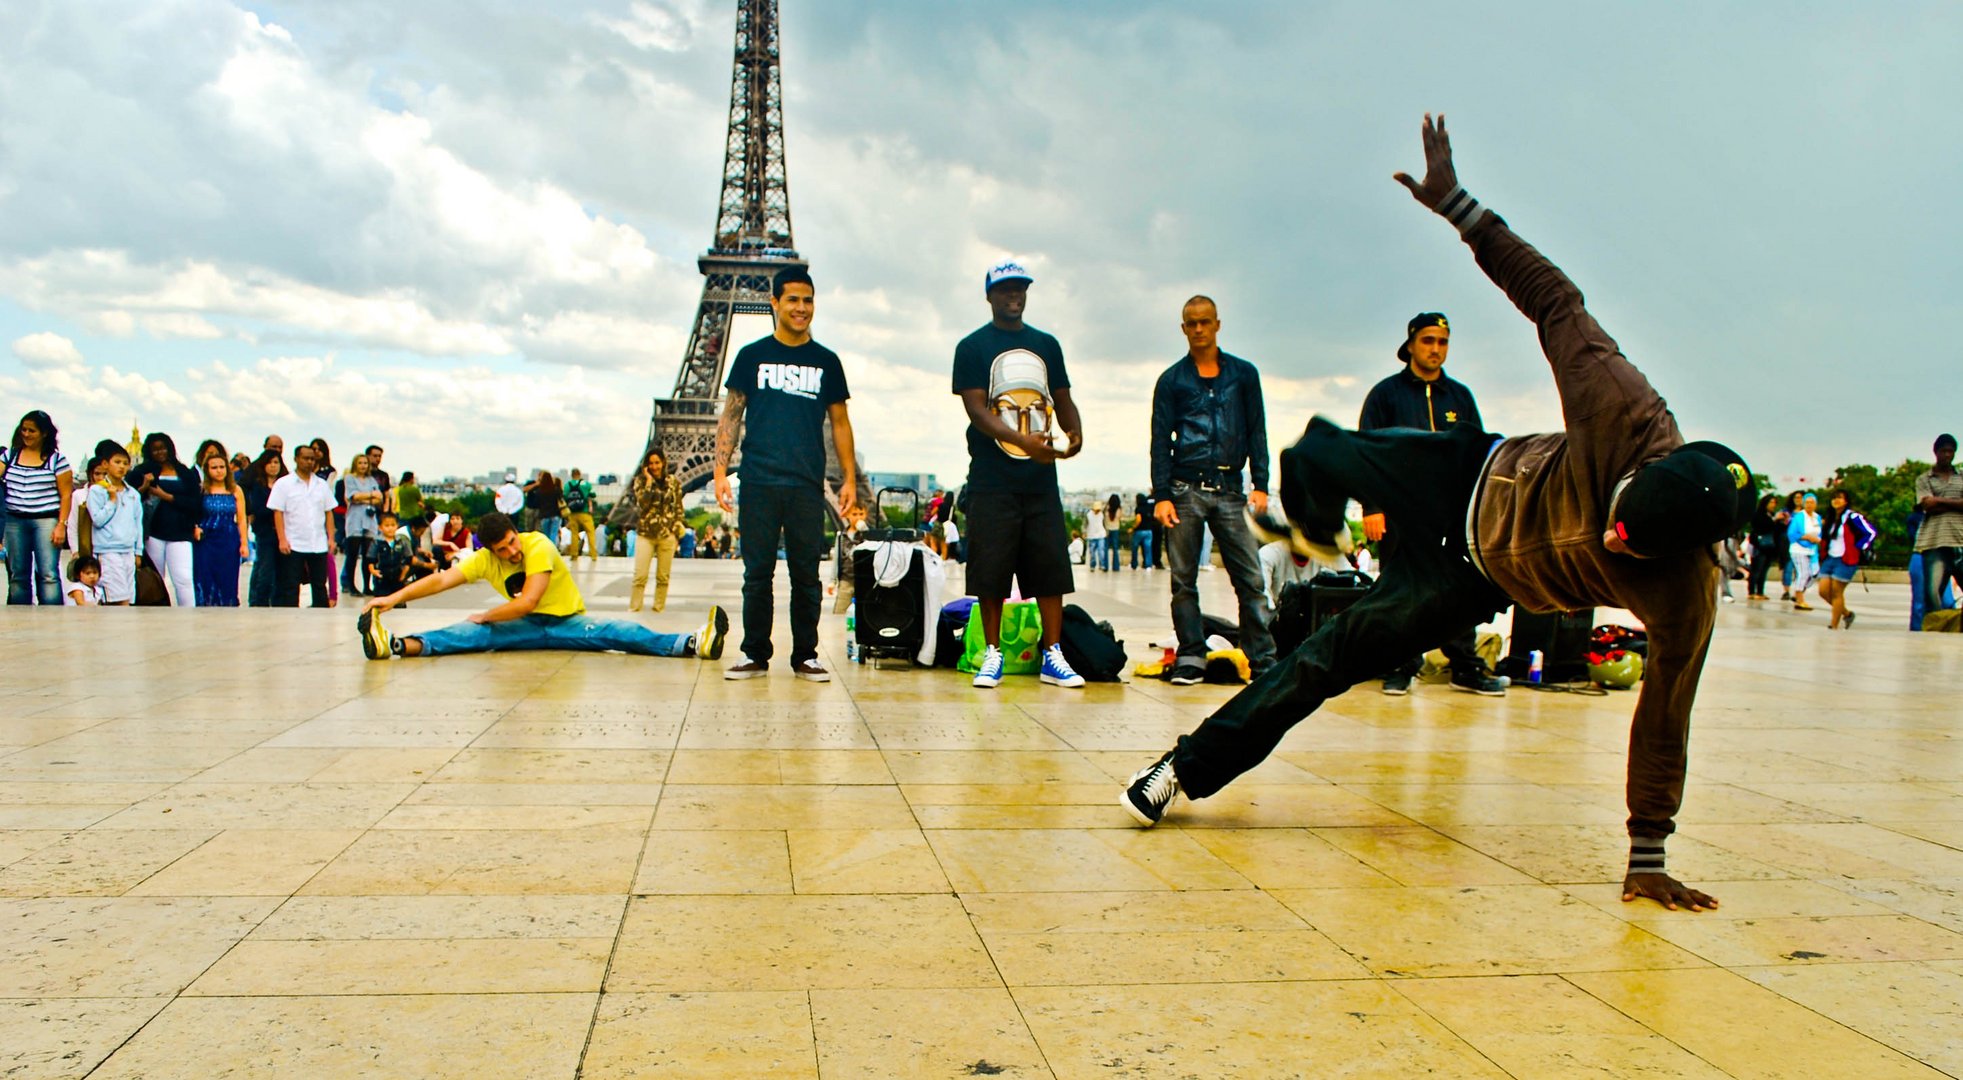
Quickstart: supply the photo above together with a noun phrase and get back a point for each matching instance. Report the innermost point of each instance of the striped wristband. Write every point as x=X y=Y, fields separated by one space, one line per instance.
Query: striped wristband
x=1645 y=855
x=1461 y=209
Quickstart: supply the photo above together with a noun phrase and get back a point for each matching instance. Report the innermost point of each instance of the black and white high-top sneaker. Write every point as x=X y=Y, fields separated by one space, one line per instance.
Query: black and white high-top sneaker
x=1152 y=789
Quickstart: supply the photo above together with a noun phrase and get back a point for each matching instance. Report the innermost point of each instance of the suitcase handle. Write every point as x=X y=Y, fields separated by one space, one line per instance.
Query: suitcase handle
x=913 y=497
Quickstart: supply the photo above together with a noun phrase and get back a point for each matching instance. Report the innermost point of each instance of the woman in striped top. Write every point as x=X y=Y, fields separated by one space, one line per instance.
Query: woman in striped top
x=36 y=486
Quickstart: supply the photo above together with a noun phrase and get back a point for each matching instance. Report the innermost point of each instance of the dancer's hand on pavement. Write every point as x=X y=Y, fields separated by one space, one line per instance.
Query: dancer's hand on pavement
x=1167 y=514
x=1373 y=527
x=1667 y=891
x=1440 y=176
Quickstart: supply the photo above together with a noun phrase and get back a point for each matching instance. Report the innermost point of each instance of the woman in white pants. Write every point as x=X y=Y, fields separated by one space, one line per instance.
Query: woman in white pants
x=1804 y=544
x=173 y=504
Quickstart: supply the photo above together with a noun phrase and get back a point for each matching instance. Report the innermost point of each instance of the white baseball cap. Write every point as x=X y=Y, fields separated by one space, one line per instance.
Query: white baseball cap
x=1005 y=271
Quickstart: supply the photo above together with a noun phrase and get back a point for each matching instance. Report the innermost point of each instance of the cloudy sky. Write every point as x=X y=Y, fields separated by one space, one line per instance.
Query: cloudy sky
x=467 y=229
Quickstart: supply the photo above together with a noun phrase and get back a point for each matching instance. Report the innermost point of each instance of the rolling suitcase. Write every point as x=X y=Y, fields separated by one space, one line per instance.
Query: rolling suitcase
x=889 y=584
x=879 y=524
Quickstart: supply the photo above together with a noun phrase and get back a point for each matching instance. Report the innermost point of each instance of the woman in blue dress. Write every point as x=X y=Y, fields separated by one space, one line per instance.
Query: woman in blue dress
x=218 y=548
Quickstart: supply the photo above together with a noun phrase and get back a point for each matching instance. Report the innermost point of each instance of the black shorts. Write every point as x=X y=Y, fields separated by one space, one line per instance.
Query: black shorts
x=1020 y=536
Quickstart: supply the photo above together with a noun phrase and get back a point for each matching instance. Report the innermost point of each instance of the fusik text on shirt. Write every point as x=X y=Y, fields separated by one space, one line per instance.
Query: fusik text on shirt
x=791 y=379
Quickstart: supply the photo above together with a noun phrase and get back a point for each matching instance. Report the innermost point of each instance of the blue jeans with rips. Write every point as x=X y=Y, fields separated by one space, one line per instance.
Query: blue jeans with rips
x=578 y=633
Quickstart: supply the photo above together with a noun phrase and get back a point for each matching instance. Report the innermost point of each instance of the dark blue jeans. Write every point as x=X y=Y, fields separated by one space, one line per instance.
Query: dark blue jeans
x=1141 y=542
x=1223 y=512
x=795 y=518
x=33 y=564
x=264 y=582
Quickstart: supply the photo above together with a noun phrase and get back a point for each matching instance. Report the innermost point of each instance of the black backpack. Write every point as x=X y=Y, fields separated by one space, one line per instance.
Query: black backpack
x=1090 y=646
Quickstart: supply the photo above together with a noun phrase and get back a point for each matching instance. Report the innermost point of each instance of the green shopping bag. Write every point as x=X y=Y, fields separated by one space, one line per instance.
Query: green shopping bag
x=1022 y=637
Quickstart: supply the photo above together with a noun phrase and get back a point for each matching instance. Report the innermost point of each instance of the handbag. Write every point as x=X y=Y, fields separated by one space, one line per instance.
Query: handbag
x=150 y=588
x=1022 y=635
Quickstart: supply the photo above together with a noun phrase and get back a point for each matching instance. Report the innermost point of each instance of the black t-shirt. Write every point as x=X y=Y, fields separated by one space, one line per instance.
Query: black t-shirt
x=991 y=468
x=175 y=519
x=789 y=389
x=1142 y=506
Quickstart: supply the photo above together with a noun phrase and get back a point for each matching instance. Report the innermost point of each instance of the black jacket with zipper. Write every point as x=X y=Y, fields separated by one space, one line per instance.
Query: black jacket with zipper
x=1205 y=433
x=1405 y=401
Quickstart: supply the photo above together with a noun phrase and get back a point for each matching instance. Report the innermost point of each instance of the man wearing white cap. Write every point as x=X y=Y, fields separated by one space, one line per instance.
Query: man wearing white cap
x=1016 y=391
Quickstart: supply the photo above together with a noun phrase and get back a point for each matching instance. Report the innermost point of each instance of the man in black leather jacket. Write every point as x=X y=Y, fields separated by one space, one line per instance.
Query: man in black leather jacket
x=1423 y=398
x=1208 y=422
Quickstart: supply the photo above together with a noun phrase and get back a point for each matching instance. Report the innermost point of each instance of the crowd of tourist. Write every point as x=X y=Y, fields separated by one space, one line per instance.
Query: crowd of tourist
x=141 y=525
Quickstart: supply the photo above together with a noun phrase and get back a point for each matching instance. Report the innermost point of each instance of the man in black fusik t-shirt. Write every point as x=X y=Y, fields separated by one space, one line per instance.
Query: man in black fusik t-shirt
x=779 y=391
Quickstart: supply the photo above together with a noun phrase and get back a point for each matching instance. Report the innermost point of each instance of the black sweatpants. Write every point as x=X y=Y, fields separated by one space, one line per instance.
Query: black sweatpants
x=1461 y=652
x=1431 y=594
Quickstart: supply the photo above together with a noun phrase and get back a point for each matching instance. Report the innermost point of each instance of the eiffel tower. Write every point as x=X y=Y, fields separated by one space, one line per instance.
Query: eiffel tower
x=752 y=243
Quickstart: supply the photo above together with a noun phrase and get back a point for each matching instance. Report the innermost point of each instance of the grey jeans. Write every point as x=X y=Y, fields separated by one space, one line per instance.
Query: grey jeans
x=1223 y=513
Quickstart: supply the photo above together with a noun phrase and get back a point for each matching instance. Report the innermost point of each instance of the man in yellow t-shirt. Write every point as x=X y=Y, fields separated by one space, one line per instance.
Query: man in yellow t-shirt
x=542 y=608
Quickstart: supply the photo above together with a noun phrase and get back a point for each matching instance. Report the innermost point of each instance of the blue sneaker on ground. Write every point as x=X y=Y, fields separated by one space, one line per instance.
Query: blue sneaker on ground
x=989 y=675
x=1056 y=670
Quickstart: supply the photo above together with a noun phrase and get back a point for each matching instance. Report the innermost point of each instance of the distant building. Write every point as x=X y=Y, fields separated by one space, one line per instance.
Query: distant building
x=925 y=483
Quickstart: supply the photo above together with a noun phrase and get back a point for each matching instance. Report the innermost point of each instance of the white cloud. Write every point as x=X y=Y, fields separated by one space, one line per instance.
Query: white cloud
x=275 y=190
x=667 y=27
x=114 y=324
x=168 y=298
x=47 y=349
x=455 y=419
x=180 y=325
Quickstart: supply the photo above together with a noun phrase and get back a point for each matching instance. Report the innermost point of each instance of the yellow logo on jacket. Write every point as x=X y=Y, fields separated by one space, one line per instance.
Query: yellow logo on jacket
x=1451 y=417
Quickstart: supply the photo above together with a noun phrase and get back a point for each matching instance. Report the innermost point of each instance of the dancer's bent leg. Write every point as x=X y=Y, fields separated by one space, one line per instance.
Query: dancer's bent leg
x=1405 y=614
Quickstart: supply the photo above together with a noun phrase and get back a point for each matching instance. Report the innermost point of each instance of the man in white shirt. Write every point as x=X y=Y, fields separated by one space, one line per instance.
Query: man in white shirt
x=510 y=498
x=1282 y=567
x=303 y=518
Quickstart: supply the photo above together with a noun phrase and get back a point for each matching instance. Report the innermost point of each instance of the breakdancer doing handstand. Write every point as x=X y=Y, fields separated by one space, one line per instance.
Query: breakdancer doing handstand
x=1615 y=511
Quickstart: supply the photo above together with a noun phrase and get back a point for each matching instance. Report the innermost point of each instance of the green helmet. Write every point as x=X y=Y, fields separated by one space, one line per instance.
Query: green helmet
x=1618 y=669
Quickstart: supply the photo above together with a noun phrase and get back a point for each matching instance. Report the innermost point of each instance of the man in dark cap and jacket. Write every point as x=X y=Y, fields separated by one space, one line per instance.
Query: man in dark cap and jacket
x=1617 y=510
x=1423 y=398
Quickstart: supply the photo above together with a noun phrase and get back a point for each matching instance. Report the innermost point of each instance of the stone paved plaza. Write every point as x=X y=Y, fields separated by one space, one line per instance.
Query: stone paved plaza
x=230 y=846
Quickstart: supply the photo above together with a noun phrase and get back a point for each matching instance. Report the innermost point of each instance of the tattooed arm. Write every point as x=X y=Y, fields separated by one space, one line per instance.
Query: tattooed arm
x=726 y=430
